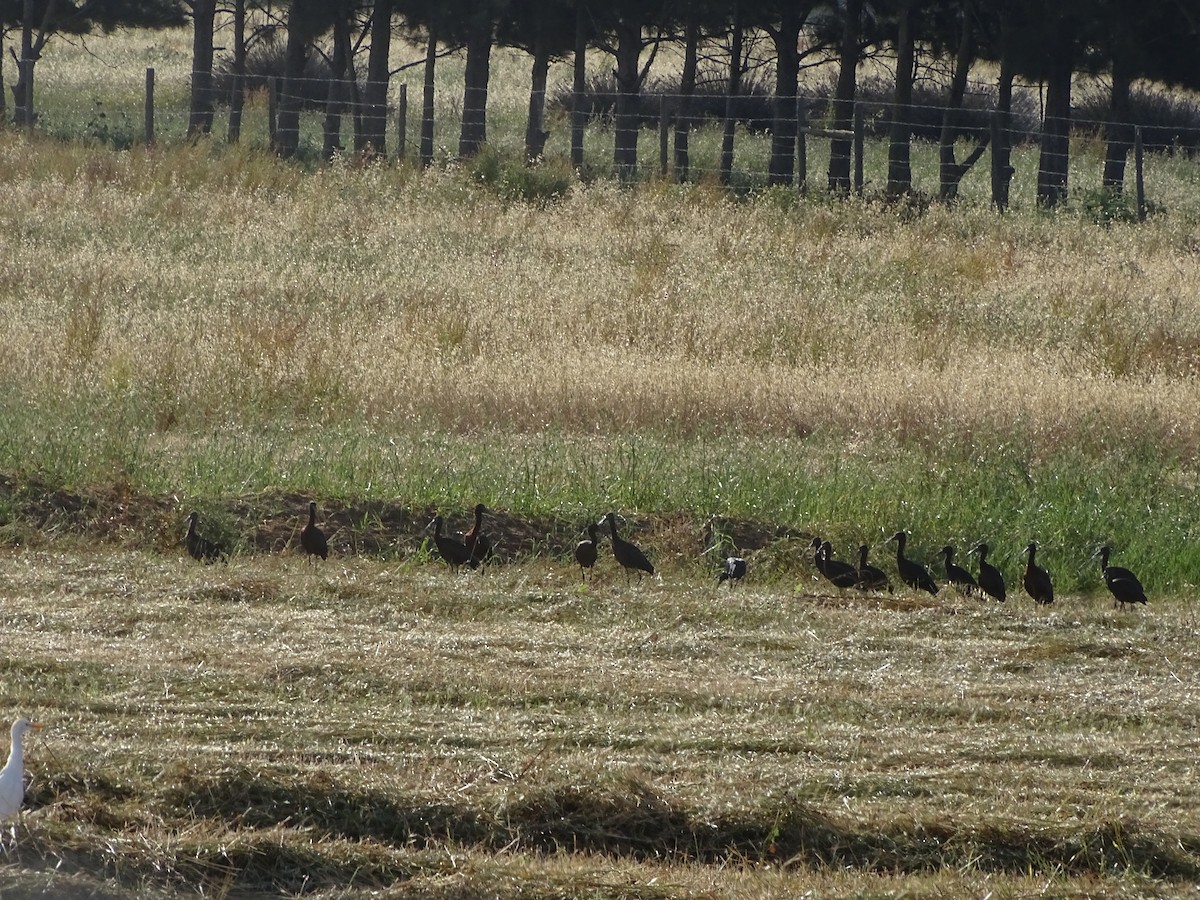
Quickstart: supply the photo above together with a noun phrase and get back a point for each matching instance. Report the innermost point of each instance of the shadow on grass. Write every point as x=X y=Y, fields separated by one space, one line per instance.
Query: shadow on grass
x=621 y=817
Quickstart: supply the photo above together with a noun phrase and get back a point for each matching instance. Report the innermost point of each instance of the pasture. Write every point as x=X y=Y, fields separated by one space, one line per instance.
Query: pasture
x=203 y=327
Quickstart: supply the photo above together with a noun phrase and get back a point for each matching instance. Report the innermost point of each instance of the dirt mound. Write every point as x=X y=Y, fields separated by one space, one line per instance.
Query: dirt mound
x=33 y=512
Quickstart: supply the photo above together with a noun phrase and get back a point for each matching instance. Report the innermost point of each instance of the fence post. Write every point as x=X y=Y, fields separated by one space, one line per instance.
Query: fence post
x=1138 y=173
x=401 y=121
x=27 y=84
x=664 y=130
x=859 y=143
x=150 y=106
x=801 y=146
x=272 y=108
x=236 y=104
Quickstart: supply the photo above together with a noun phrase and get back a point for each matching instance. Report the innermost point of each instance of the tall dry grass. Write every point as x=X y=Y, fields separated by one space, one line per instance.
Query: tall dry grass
x=204 y=322
x=204 y=290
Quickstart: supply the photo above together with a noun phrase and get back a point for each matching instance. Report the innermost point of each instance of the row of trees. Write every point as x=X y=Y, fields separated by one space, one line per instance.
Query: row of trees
x=1041 y=41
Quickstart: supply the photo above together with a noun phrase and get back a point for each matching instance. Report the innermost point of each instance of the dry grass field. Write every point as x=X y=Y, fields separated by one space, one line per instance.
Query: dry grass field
x=199 y=327
x=273 y=726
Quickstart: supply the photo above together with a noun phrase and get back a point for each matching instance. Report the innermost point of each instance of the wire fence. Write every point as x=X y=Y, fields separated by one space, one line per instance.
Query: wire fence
x=732 y=139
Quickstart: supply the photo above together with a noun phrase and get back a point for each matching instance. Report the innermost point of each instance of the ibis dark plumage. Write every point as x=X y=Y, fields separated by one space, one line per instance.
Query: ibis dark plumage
x=991 y=582
x=912 y=573
x=477 y=542
x=733 y=571
x=451 y=549
x=586 y=550
x=312 y=538
x=839 y=574
x=1037 y=580
x=962 y=580
x=628 y=555
x=199 y=547
x=1122 y=584
x=869 y=577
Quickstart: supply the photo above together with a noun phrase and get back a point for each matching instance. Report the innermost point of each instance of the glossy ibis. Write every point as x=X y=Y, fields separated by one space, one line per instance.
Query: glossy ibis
x=838 y=573
x=912 y=573
x=12 y=776
x=200 y=547
x=962 y=580
x=630 y=556
x=477 y=542
x=1037 y=581
x=451 y=549
x=312 y=538
x=869 y=577
x=585 y=551
x=733 y=571
x=991 y=582
x=1122 y=583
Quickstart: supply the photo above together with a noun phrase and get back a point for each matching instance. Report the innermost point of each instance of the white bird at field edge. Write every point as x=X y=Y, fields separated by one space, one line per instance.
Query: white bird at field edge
x=12 y=776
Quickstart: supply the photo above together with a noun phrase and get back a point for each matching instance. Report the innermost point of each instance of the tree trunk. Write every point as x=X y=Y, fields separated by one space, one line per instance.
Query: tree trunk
x=629 y=51
x=950 y=171
x=23 y=89
x=782 y=166
x=237 y=99
x=535 y=127
x=300 y=34
x=1118 y=129
x=687 y=87
x=1056 y=131
x=475 y=88
x=200 y=111
x=579 y=115
x=843 y=101
x=731 y=94
x=373 y=139
x=899 y=181
x=337 y=87
x=1002 y=170
x=426 y=150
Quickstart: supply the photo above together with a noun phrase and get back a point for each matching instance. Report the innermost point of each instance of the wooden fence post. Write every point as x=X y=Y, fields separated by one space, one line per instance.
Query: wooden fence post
x=1139 y=178
x=272 y=108
x=664 y=131
x=150 y=107
x=401 y=121
x=27 y=83
x=801 y=146
x=237 y=100
x=859 y=144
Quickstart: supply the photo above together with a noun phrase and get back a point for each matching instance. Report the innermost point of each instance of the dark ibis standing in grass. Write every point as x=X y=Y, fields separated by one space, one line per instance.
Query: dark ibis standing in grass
x=822 y=553
x=962 y=580
x=312 y=538
x=839 y=574
x=630 y=556
x=585 y=551
x=869 y=577
x=733 y=571
x=1122 y=583
x=1037 y=580
x=991 y=582
x=451 y=549
x=912 y=573
x=199 y=547
x=477 y=542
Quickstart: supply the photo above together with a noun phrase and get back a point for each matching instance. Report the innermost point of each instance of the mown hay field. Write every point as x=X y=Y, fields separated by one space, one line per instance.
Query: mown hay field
x=274 y=727
x=204 y=327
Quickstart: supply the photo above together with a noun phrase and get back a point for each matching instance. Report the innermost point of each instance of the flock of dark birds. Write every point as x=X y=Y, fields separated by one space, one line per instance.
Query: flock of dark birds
x=1121 y=583
x=474 y=549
